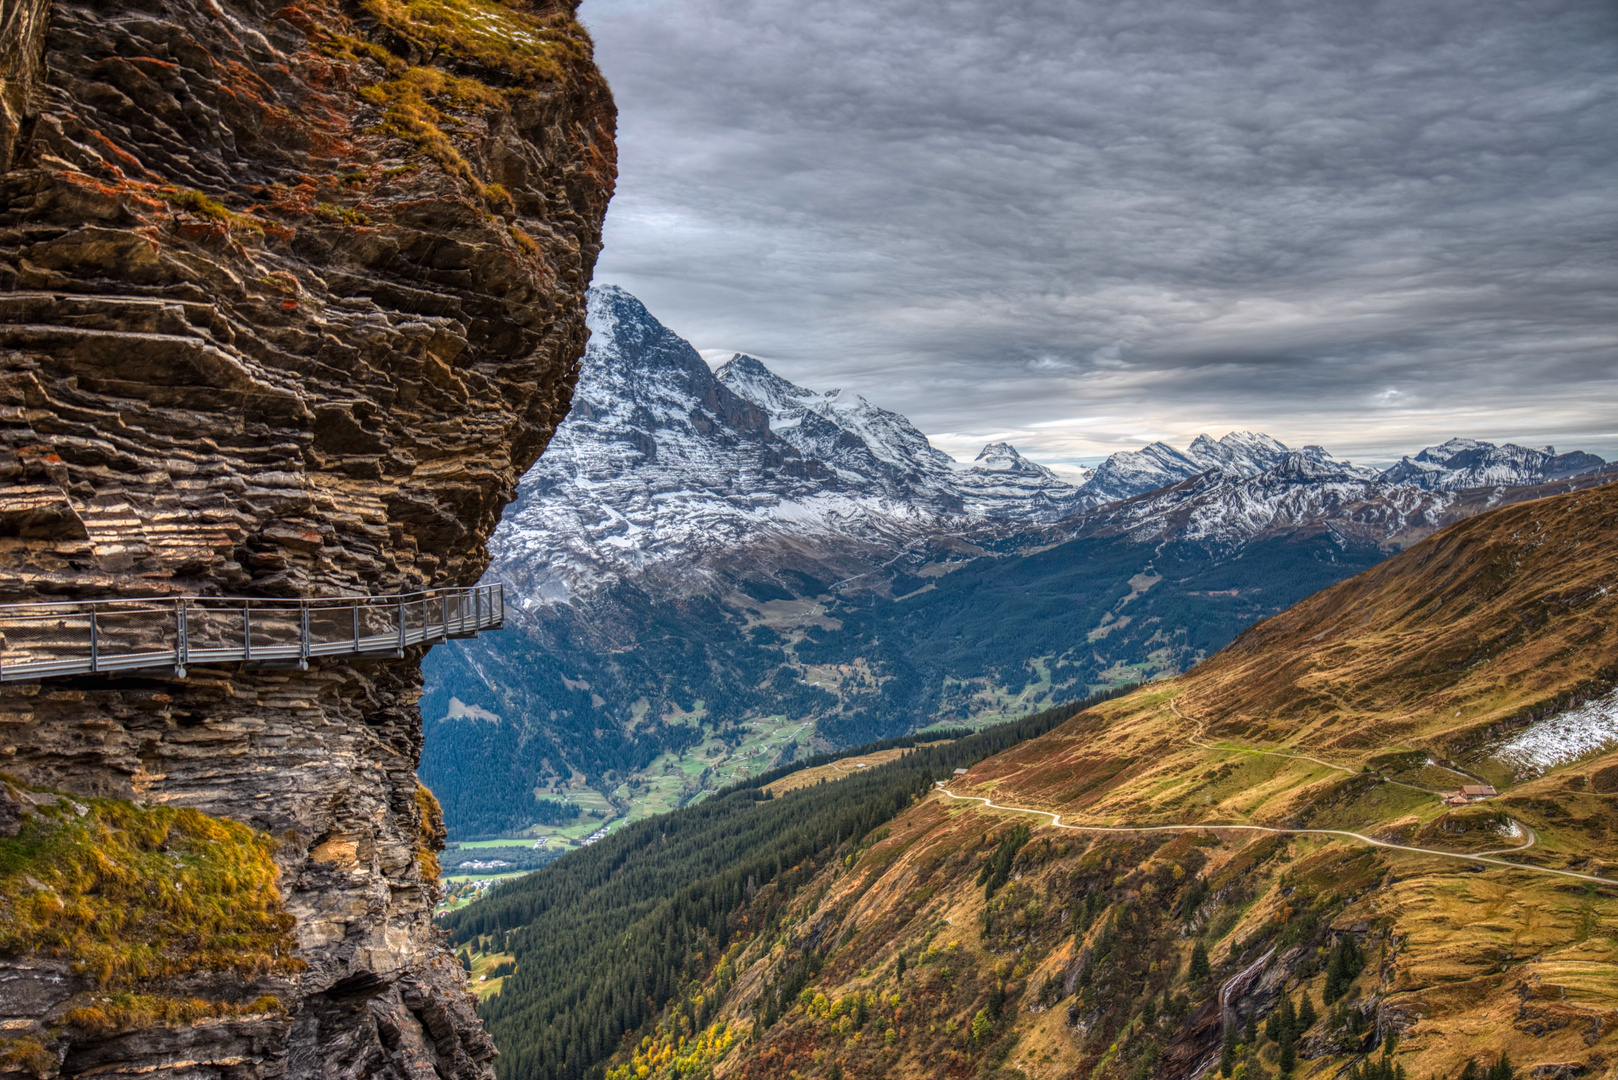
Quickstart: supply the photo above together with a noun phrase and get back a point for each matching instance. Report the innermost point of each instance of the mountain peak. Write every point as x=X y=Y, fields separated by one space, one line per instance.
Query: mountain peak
x=1302 y=465
x=747 y=376
x=620 y=322
x=1002 y=457
x=606 y=301
x=741 y=365
x=998 y=451
x=1239 y=453
x=1471 y=463
x=1446 y=450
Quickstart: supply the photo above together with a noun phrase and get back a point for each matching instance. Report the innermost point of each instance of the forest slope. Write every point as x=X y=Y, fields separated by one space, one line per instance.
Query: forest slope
x=962 y=941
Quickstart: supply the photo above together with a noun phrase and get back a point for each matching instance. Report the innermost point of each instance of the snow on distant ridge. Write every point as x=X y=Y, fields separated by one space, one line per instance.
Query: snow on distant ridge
x=663 y=460
x=1470 y=463
x=1562 y=738
x=875 y=449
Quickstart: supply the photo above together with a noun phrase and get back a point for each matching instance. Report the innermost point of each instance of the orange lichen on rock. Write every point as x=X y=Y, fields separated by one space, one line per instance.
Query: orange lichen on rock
x=269 y=316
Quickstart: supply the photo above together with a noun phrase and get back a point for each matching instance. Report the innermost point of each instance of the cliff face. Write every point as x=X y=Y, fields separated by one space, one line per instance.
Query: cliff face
x=290 y=297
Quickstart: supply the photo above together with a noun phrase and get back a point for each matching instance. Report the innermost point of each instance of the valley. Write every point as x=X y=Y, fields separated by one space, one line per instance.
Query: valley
x=420 y=661
x=703 y=763
x=1284 y=821
x=705 y=554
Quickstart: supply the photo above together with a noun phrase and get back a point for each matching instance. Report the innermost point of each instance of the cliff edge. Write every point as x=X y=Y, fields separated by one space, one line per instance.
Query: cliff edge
x=290 y=297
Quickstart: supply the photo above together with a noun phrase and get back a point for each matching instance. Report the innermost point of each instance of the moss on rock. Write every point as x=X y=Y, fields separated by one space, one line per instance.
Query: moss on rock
x=511 y=39
x=127 y=893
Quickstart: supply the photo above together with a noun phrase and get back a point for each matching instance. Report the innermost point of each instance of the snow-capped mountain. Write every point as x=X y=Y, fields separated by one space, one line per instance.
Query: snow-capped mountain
x=1301 y=489
x=870 y=449
x=1241 y=453
x=1467 y=463
x=873 y=449
x=655 y=461
x=663 y=463
x=1238 y=454
x=886 y=436
x=1003 y=485
x=713 y=548
x=1259 y=487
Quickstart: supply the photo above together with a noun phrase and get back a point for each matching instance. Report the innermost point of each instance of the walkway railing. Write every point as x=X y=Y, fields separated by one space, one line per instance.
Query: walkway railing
x=83 y=637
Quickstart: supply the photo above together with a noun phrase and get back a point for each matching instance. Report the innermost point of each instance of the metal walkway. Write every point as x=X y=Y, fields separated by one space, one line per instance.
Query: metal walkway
x=39 y=641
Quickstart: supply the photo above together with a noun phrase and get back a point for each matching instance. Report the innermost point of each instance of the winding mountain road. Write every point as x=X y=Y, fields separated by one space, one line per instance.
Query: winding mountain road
x=1485 y=857
x=1056 y=820
x=1194 y=741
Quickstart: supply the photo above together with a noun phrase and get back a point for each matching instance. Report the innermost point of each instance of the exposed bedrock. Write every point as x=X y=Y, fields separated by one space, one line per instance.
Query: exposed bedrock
x=290 y=297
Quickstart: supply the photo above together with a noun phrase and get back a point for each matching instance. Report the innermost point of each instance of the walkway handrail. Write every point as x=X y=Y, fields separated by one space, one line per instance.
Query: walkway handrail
x=75 y=637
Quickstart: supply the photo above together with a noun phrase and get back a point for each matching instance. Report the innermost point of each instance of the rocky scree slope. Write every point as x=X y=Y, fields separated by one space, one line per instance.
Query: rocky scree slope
x=702 y=549
x=292 y=296
x=960 y=940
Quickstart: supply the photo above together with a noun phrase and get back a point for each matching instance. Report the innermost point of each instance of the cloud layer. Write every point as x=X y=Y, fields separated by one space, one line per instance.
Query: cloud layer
x=1080 y=225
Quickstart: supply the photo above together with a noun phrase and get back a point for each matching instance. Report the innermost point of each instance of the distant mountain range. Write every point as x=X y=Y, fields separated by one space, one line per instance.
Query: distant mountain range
x=697 y=548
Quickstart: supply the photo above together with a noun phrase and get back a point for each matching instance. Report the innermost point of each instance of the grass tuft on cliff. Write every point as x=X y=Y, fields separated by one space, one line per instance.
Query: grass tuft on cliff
x=131 y=1012
x=205 y=206
x=508 y=38
x=431 y=829
x=27 y=1054
x=414 y=107
x=128 y=893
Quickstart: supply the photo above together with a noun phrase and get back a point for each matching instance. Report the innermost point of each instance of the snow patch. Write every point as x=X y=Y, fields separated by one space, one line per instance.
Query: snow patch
x=1562 y=738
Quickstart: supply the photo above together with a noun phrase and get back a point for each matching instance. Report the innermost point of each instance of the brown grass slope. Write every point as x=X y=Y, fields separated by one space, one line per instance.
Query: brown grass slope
x=1502 y=615
x=1077 y=961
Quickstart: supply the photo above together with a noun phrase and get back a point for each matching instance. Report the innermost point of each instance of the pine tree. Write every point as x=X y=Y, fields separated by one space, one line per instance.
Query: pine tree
x=1306 y=1012
x=1199 y=963
x=899 y=968
x=1227 y=1053
x=1288 y=1025
x=981 y=1026
x=1344 y=966
x=1250 y=1033
x=1500 y=1070
x=1385 y=1069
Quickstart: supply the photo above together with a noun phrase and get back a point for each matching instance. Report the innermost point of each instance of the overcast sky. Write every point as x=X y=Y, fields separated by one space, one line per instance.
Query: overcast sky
x=1080 y=226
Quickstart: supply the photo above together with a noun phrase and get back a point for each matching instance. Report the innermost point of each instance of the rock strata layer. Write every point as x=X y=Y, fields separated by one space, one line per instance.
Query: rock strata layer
x=290 y=297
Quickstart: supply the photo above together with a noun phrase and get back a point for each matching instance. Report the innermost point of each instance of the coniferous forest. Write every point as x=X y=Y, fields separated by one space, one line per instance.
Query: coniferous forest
x=609 y=935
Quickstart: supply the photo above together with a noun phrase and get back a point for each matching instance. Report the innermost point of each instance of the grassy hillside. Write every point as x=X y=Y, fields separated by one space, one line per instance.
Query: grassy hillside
x=1248 y=798
x=1493 y=620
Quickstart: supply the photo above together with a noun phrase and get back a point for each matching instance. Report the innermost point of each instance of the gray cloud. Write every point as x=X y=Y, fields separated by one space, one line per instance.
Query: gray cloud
x=1080 y=224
